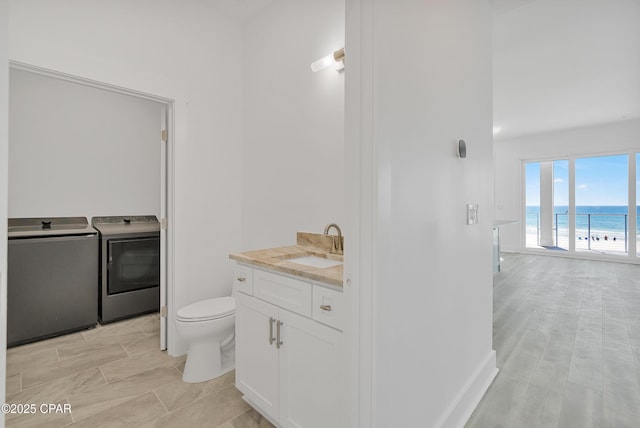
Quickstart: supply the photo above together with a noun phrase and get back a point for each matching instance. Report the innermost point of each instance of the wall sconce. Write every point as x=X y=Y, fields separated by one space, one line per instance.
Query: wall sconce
x=336 y=59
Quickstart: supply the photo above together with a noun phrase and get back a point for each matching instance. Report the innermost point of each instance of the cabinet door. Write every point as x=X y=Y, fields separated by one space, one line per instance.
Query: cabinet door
x=256 y=358
x=312 y=374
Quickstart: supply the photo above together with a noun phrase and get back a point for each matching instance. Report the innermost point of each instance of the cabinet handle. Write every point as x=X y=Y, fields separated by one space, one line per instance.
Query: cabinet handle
x=242 y=279
x=271 y=321
x=326 y=308
x=278 y=341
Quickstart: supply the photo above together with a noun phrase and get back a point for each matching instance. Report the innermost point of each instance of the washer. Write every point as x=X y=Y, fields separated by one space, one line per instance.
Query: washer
x=52 y=281
x=129 y=266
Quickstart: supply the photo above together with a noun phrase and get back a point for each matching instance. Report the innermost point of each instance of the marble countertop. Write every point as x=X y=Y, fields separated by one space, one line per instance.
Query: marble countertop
x=277 y=259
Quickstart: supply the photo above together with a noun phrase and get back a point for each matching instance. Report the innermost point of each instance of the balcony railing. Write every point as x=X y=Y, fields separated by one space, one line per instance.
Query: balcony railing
x=590 y=237
x=601 y=238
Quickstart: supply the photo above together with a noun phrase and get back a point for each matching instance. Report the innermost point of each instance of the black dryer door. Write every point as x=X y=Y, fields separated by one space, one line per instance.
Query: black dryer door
x=133 y=264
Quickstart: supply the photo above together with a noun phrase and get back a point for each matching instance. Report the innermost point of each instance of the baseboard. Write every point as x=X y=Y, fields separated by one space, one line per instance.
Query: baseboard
x=460 y=410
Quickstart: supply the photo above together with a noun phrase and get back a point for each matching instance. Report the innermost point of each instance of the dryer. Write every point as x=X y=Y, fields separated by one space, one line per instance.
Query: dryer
x=129 y=266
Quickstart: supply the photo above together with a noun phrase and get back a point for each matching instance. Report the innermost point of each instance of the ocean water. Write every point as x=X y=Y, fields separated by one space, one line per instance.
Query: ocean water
x=604 y=220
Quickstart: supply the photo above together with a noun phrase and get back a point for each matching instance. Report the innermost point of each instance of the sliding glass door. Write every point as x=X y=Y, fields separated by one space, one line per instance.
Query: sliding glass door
x=561 y=204
x=584 y=205
x=547 y=205
x=602 y=201
x=532 y=208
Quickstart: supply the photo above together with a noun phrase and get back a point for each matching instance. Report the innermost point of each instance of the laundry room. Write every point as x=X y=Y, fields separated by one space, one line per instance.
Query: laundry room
x=85 y=194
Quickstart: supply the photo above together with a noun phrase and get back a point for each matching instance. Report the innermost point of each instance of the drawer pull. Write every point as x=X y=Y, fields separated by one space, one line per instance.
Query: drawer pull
x=278 y=341
x=326 y=308
x=242 y=279
x=271 y=321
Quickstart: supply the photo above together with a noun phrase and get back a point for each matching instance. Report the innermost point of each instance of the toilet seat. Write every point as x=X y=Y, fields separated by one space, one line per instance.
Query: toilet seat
x=207 y=310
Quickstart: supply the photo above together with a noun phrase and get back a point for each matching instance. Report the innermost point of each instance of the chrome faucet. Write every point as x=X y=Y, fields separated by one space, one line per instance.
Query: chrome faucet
x=337 y=247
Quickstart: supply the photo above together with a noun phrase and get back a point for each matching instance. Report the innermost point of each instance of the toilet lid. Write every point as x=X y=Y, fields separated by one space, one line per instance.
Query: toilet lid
x=208 y=309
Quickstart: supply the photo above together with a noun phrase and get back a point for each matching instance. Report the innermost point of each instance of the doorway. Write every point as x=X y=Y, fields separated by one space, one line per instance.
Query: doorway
x=92 y=149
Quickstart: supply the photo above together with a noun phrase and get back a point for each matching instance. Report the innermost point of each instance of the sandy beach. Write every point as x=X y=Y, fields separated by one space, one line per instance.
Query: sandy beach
x=597 y=243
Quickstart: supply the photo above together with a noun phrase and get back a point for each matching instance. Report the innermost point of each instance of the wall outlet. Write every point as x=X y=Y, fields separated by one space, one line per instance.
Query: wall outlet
x=472 y=213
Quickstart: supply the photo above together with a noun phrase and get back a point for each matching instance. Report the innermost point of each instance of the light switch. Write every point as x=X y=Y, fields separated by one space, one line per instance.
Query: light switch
x=472 y=213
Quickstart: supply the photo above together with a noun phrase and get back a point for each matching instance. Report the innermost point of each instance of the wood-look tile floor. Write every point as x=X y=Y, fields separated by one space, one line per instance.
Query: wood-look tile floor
x=116 y=376
x=566 y=333
x=567 y=337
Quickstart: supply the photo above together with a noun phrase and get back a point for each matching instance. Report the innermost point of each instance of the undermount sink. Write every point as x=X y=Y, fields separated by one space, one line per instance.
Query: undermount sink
x=315 y=261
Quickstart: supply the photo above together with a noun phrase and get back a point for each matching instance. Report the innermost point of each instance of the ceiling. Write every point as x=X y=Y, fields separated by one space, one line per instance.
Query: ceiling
x=558 y=64
x=562 y=64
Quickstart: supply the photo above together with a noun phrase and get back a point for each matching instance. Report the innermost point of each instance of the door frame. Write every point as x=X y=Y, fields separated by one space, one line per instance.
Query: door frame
x=166 y=189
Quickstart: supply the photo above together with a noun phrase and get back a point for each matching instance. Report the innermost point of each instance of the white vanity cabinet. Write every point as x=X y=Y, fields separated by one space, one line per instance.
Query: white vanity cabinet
x=290 y=366
x=312 y=376
x=256 y=355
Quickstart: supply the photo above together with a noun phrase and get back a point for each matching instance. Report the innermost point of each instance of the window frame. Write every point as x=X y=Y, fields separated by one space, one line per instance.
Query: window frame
x=632 y=250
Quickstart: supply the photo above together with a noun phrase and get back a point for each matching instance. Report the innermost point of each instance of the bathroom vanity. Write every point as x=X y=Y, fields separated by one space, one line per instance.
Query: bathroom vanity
x=290 y=359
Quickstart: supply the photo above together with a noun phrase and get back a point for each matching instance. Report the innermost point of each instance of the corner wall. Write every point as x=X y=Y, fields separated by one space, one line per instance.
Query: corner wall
x=424 y=82
x=182 y=51
x=293 y=154
x=4 y=191
x=510 y=153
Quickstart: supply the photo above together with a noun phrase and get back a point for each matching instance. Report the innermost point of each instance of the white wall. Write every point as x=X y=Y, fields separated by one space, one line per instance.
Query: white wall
x=509 y=154
x=293 y=156
x=4 y=176
x=178 y=50
x=426 y=70
x=77 y=150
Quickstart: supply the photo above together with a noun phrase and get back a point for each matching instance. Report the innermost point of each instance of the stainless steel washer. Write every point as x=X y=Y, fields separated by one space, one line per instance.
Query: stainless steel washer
x=52 y=281
x=129 y=266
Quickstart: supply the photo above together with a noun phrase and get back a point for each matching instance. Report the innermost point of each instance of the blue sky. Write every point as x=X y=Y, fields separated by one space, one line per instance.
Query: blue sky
x=599 y=181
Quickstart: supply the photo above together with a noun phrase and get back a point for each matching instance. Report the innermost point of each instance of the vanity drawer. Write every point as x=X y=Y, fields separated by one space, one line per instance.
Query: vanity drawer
x=243 y=279
x=288 y=293
x=328 y=307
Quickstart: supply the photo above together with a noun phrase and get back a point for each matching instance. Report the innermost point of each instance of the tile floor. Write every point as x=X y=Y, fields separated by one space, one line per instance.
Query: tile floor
x=116 y=376
x=567 y=337
x=566 y=332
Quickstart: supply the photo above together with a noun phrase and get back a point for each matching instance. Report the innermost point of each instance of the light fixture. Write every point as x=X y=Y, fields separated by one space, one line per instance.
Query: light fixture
x=496 y=130
x=336 y=59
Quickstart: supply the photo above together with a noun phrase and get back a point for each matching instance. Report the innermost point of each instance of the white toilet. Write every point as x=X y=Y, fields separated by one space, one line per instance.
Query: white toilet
x=208 y=326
